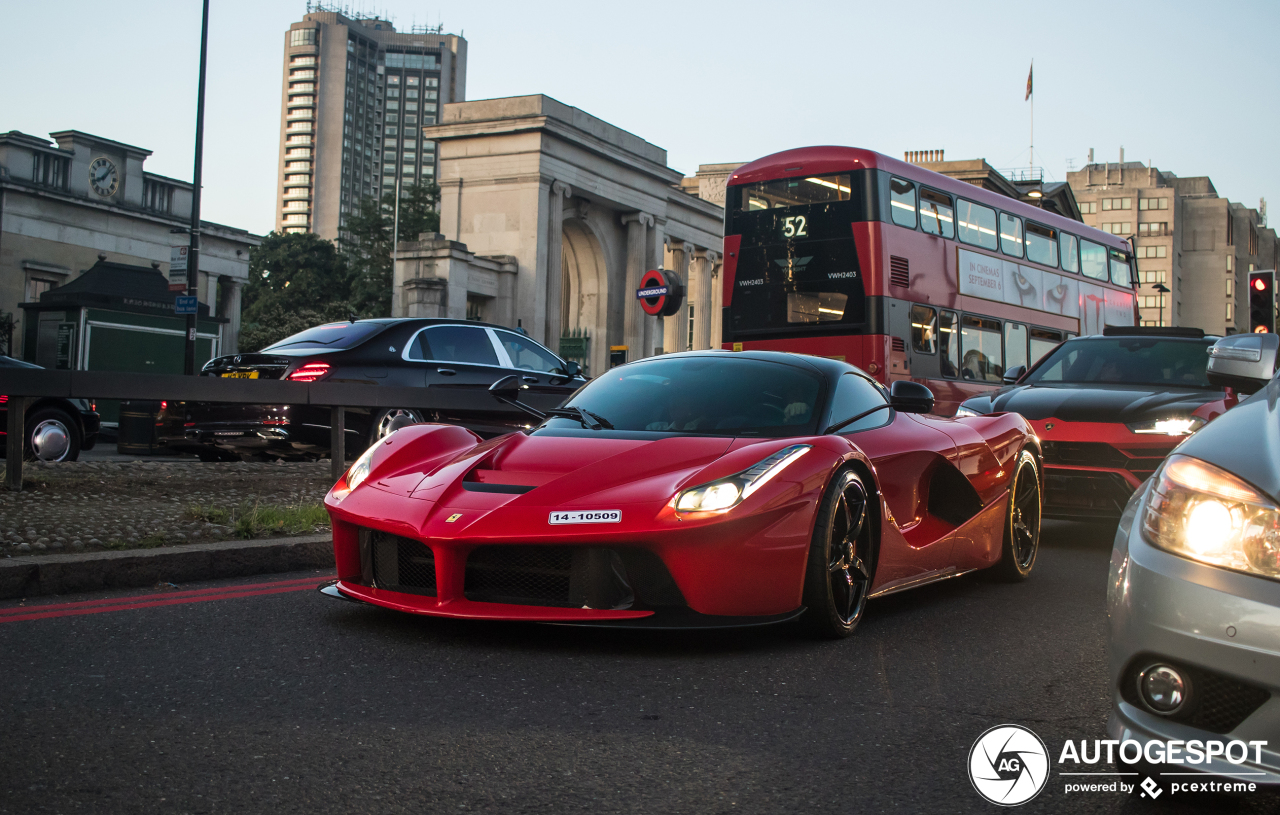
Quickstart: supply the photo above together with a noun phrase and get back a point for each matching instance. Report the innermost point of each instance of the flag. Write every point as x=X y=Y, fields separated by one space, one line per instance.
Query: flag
x=1033 y=68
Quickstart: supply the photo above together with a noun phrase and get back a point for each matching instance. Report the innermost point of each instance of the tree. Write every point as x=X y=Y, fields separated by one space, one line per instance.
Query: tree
x=296 y=281
x=367 y=243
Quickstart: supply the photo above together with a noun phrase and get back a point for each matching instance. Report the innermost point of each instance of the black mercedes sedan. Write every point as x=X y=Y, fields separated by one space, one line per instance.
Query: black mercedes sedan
x=1108 y=408
x=424 y=353
x=57 y=429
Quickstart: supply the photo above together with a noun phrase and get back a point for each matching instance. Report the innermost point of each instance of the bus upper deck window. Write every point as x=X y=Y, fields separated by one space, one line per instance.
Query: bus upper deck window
x=924 y=329
x=1011 y=235
x=781 y=193
x=1069 y=247
x=977 y=224
x=1093 y=260
x=1119 y=268
x=902 y=202
x=1042 y=244
x=936 y=215
x=949 y=343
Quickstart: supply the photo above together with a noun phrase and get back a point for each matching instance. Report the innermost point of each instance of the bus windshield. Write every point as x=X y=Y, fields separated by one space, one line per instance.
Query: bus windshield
x=794 y=192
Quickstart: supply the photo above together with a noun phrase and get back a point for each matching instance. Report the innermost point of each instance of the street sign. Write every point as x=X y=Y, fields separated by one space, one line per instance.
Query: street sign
x=65 y=346
x=178 y=268
x=186 y=304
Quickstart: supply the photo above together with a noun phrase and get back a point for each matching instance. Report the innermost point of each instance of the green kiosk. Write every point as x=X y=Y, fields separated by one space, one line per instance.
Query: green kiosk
x=115 y=317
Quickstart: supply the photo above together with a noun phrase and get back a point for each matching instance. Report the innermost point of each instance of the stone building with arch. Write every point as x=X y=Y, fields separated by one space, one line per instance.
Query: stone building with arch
x=549 y=217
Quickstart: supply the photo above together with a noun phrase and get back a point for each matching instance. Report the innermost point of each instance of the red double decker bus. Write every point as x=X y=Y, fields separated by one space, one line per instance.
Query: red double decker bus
x=909 y=274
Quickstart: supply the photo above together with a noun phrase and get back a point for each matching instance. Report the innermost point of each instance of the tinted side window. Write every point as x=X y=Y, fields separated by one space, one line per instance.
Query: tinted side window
x=1042 y=244
x=902 y=202
x=1011 y=235
x=454 y=343
x=949 y=343
x=936 y=216
x=1093 y=260
x=527 y=354
x=1068 y=244
x=924 y=329
x=853 y=396
x=980 y=346
x=977 y=224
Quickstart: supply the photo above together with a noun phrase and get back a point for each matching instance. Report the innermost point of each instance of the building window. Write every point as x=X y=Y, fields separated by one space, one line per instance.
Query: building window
x=409 y=105
x=1150 y=301
x=1088 y=207
x=1153 y=203
x=411 y=118
x=1231 y=312
x=1231 y=228
x=1117 y=228
x=413 y=80
x=411 y=93
x=37 y=286
x=305 y=59
x=1116 y=203
x=393 y=93
x=295 y=205
x=302 y=36
x=1153 y=251
x=1153 y=277
x=1253 y=240
x=156 y=196
x=297 y=166
x=49 y=170
x=1231 y=287
x=298 y=152
x=295 y=219
x=689 y=345
x=1153 y=230
x=302 y=73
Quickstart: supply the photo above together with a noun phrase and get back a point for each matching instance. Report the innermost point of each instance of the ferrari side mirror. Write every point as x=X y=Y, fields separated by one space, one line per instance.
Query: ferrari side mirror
x=1013 y=374
x=910 y=397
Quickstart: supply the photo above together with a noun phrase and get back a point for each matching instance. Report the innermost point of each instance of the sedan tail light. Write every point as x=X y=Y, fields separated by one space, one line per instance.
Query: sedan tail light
x=311 y=372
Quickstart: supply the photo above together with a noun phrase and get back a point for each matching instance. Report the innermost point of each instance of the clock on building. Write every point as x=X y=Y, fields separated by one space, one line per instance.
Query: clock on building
x=103 y=176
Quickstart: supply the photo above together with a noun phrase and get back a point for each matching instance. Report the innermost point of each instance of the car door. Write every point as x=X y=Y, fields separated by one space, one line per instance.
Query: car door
x=905 y=454
x=537 y=367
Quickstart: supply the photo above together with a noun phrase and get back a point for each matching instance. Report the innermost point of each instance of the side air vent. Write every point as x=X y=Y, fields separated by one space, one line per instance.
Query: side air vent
x=899 y=344
x=899 y=272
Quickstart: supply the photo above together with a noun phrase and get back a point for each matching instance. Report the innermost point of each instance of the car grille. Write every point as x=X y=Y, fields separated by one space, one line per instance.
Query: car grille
x=569 y=577
x=1218 y=703
x=400 y=564
x=1099 y=454
x=1094 y=494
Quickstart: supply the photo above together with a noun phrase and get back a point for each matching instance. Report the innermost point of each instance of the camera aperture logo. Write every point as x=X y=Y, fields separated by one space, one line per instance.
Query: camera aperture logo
x=1008 y=765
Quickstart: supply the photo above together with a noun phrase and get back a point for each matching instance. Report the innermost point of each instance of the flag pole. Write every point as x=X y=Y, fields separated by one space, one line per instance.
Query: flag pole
x=1031 y=95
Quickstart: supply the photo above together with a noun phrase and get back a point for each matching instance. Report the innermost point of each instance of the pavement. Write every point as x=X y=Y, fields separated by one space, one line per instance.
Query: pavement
x=261 y=695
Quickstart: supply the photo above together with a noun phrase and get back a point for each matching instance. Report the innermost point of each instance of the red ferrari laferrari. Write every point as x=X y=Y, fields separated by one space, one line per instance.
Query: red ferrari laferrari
x=705 y=489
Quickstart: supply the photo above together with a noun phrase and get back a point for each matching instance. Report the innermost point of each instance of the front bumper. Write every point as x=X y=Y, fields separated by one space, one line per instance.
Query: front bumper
x=1216 y=623
x=1092 y=468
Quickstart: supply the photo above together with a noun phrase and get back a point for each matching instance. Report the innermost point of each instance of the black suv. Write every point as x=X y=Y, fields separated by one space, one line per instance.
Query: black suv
x=57 y=429
x=424 y=353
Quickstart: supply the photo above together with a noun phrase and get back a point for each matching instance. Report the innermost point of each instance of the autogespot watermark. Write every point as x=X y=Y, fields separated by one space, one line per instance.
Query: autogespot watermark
x=1009 y=765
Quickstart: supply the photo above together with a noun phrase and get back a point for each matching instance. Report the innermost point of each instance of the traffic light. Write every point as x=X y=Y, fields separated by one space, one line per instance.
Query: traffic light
x=1262 y=302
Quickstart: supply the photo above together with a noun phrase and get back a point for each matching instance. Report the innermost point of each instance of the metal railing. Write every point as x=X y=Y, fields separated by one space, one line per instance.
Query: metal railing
x=22 y=385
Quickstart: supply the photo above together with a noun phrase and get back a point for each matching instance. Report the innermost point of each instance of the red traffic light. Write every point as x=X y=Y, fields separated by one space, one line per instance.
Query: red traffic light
x=1259 y=284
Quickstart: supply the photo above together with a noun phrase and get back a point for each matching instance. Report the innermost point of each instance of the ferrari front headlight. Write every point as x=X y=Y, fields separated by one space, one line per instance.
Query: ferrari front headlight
x=727 y=493
x=1176 y=426
x=360 y=470
x=1204 y=513
x=963 y=412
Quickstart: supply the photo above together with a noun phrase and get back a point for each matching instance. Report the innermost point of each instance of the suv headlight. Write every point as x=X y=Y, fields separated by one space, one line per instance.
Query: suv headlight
x=727 y=493
x=1176 y=426
x=1204 y=513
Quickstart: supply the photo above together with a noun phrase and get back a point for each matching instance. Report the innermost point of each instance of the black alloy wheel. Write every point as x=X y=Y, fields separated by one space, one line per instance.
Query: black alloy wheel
x=841 y=559
x=1022 y=522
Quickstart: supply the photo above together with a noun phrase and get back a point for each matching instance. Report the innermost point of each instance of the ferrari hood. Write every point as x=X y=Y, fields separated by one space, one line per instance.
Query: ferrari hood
x=552 y=470
x=1093 y=403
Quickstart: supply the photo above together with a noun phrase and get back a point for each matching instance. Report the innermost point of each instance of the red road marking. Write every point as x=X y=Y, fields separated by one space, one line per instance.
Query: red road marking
x=42 y=611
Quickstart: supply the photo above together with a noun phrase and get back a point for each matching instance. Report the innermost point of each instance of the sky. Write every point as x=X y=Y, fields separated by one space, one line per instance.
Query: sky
x=1187 y=86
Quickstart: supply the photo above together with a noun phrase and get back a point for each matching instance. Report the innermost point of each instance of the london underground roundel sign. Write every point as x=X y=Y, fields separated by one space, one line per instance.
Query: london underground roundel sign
x=660 y=292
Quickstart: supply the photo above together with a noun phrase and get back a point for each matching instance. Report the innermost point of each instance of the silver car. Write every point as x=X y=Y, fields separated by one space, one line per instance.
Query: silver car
x=1194 y=591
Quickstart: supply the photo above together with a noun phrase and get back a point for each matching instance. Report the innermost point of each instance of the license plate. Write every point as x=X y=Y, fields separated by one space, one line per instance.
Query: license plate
x=590 y=516
x=240 y=375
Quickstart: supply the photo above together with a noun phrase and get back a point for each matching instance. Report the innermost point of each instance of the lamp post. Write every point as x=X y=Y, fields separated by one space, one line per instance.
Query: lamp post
x=1163 y=289
x=193 y=255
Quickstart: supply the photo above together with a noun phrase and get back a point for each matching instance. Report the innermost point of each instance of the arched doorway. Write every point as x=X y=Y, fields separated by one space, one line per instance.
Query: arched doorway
x=584 y=290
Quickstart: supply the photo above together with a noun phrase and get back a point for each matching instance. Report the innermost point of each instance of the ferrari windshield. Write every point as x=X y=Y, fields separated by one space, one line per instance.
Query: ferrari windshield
x=1143 y=361
x=714 y=395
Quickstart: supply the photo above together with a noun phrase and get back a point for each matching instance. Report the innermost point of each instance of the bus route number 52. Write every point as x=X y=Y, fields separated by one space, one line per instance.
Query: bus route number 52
x=795 y=227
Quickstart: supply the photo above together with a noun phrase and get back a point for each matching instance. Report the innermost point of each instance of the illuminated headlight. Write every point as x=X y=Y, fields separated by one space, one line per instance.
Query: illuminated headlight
x=963 y=412
x=1178 y=426
x=1202 y=512
x=360 y=470
x=727 y=493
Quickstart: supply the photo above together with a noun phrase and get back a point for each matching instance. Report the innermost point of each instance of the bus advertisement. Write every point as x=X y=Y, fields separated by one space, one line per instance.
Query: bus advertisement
x=908 y=274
